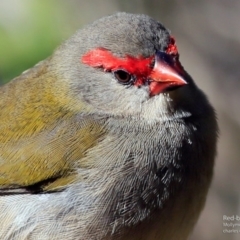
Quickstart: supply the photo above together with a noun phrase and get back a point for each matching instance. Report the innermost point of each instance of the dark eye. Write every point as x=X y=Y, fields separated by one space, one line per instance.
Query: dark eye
x=123 y=76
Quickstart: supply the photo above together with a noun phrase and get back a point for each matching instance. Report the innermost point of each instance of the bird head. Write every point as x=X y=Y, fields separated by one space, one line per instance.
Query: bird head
x=124 y=64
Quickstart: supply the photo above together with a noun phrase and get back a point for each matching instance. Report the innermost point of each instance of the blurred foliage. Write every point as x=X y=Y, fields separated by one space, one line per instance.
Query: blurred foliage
x=29 y=34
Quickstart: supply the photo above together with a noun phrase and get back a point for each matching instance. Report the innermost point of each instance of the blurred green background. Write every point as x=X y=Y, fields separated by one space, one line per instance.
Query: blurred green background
x=208 y=38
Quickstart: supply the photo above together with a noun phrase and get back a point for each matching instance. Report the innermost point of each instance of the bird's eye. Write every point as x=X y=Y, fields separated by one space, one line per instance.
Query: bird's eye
x=123 y=77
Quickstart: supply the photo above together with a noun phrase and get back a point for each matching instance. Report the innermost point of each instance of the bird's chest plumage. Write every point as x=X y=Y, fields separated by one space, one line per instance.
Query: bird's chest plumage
x=143 y=170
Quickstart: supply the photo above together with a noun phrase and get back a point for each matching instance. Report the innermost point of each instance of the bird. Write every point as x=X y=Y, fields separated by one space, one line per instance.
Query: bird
x=108 y=138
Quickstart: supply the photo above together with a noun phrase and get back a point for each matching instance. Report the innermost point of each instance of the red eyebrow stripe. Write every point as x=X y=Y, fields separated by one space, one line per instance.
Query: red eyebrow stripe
x=172 y=47
x=102 y=58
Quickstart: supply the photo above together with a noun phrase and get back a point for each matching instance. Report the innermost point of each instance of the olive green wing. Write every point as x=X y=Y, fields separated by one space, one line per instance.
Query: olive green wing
x=47 y=161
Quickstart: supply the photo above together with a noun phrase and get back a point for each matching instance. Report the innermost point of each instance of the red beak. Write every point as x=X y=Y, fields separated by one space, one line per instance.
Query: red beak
x=167 y=74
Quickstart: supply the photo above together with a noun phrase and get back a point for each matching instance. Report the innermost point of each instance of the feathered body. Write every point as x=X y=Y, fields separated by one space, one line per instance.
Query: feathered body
x=83 y=157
